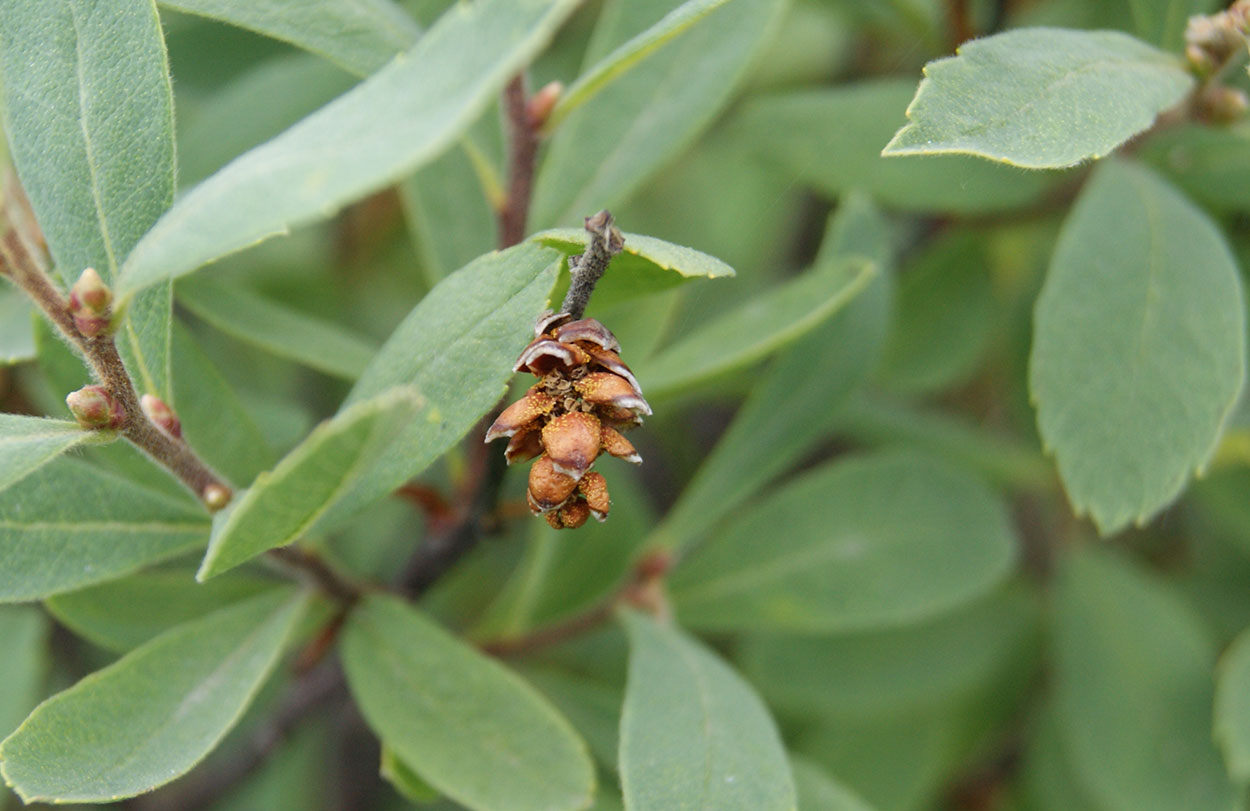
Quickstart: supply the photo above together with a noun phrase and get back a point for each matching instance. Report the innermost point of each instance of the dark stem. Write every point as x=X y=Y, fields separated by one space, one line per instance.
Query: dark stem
x=101 y=355
x=318 y=572
x=585 y=271
x=523 y=154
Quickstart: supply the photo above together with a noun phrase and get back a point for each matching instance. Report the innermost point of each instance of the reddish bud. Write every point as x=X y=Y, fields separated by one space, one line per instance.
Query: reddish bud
x=95 y=408
x=216 y=497
x=90 y=301
x=161 y=415
x=542 y=103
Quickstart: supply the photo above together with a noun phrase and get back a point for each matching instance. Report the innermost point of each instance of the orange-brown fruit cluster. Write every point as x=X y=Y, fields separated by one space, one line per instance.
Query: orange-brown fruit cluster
x=584 y=399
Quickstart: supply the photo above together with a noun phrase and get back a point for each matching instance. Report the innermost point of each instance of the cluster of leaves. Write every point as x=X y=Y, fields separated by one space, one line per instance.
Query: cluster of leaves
x=881 y=593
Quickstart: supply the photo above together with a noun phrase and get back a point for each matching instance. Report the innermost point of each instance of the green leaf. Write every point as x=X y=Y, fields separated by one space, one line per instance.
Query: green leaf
x=790 y=407
x=70 y=525
x=608 y=147
x=361 y=36
x=1145 y=279
x=1133 y=669
x=898 y=670
x=457 y=347
x=29 y=443
x=17 y=339
x=1163 y=21
x=123 y=614
x=817 y=791
x=282 y=505
x=373 y=135
x=1041 y=97
x=758 y=327
x=645 y=266
x=24 y=633
x=831 y=139
x=877 y=541
x=693 y=733
x=593 y=707
x=1210 y=164
x=214 y=421
x=404 y=780
x=1046 y=780
x=1232 y=708
x=471 y=728
x=153 y=714
x=627 y=56
x=277 y=329
x=88 y=111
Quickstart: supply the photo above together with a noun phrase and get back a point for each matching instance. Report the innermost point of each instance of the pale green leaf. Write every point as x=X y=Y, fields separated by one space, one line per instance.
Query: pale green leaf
x=893 y=671
x=70 y=525
x=792 y=405
x=457 y=347
x=125 y=613
x=1163 y=21
x=359 y=35
x=1041 y=97
x=593 y=707
x=378 y=132
x=403 y=779
x=214 y=421
x=281 y=505
x=1211 y=164
x=153 y=714
x=831 y=139
x=28 y=443
x=276 y=328
x=608 y=147
x=693 y=733
x=1232 y=708
x=24 y=632
x=1133 y=690
x=471 y=728
x=818 y=791
x=627 y=55
x=17 y=339
x=758 y=327
x=1138 y=346
x=88 y=111
x=646 y=265
x=875 y=541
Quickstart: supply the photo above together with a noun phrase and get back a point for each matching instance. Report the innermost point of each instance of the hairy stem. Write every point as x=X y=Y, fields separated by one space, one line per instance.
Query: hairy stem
x=102 y=356
x=585 y=271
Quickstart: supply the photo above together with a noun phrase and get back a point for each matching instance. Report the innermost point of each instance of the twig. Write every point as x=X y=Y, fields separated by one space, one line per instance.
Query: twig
x=585 y=271
x=311 y=691
x=319 y=572
x=101 y=355
x=523 y=149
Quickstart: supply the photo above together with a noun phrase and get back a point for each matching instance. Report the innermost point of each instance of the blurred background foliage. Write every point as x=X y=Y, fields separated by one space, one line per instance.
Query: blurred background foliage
x=1078 y=675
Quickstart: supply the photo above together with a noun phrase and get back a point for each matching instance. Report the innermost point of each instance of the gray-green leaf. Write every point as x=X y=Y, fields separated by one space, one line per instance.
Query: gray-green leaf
x=1138 y=341
x=361 y=35
x=818 y=791
x=88 y=111
x=29 y=443
x=153 y=714
x=375 y=134
x=69 y=525
x=276 y=328
x=471 y=728
x=17 y=338
x=281 y=506
x=870 y=542
x=693 y=733
x=1041 y=97
x=646 y=265
x=1133 y=690
x=606 y=148
x=1232 y=708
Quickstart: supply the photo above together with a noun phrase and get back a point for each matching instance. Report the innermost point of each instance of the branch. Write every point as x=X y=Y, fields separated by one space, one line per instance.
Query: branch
x=523 y=157
x=585 y=271
x=99 y=350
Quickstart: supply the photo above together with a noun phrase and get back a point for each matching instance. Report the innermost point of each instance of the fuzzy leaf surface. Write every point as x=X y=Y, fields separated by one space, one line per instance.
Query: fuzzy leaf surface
x=1138 y=346
x=693 y=733
x=471 y=728
x=29 y=443
x=153 y=714
x=1041 y=97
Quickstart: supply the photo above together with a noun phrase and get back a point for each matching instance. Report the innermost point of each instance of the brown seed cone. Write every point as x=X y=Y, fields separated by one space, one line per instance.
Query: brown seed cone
x=548 y=487
x=612 y=362
x=606 y=388
x=589 y=330
x=521 y=414
x=572 y=442
x=594 y=489
x=543 y=356
x=570 y=516
x=525 y=445
x=613 y=442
